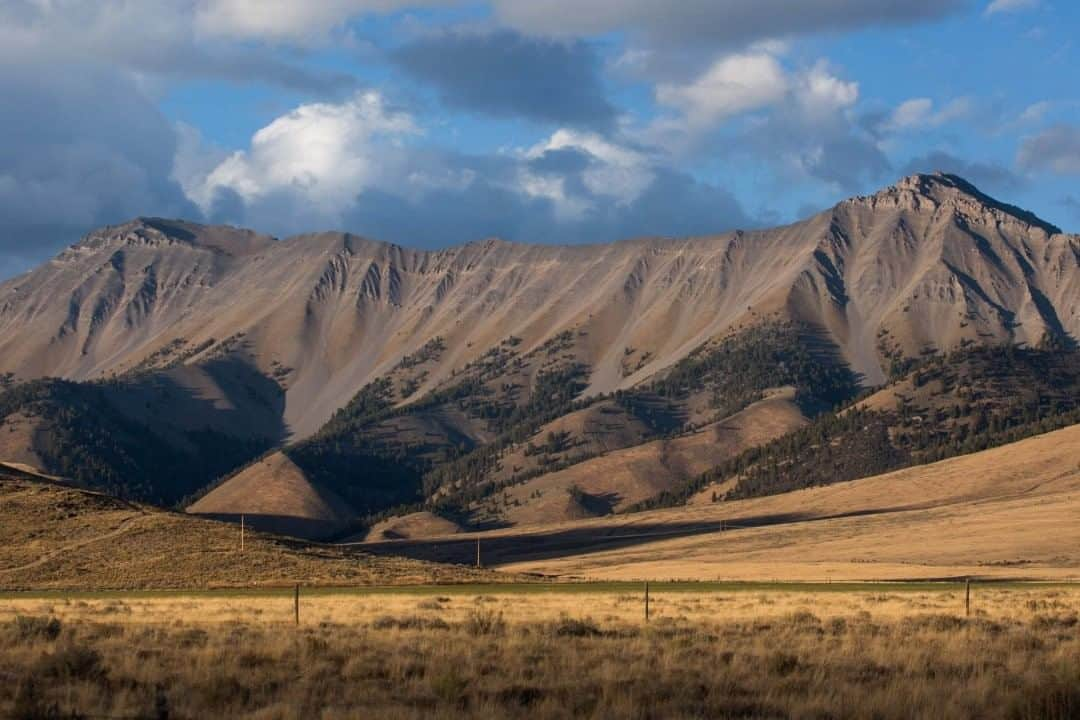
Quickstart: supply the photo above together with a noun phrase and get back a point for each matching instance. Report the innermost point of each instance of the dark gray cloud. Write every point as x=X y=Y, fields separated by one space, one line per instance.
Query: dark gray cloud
x=152 y=38
x=560 y=162
x=717 y=22
x=987 y=176
x=82 y=148
x=243 y=67
x=1056 y=149
x=847 y=160
x=493 y=204
x=828 y=147
x=504 y=73
x=674 y=205
x=686 y=21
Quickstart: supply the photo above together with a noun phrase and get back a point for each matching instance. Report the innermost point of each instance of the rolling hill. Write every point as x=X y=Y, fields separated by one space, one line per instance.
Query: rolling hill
x=949 y=405
x=53 y=536
x=617 y=480
x=1008 y=512
x=274 y=495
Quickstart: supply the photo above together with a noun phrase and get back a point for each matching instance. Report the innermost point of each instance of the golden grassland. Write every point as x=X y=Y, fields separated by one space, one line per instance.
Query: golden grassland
x=52 y=536
x=548 y=653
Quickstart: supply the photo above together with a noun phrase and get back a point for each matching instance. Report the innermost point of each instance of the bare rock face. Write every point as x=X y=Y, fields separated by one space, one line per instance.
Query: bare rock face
x=932 y=263
x=927 y=263
x=112 y=297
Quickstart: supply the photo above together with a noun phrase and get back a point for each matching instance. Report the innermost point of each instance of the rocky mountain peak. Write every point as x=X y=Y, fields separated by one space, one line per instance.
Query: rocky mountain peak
x=153 y=232
x=927 y=192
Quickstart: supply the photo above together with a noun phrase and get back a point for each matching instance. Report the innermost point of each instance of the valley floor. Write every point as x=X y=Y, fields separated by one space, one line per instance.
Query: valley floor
x=87 y=628
x=1004 y=513
x=909 y=651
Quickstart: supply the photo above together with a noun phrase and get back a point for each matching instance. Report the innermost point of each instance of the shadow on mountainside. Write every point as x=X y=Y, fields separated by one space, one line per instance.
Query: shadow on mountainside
x=223 y=395
x=290 y=526
x=503 y=549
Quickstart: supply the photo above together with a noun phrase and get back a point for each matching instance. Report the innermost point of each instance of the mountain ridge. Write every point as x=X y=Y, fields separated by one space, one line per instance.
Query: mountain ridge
x=922 y=183
x=376 y=273
x=381 y=280
x=463 y=340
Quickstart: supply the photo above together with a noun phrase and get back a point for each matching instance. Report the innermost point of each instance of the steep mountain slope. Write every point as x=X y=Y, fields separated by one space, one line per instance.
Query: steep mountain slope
x=953 y=404
x=617 y=480
x=440 y=378
x=511 y=417
x=113 y=300
x=932 y=263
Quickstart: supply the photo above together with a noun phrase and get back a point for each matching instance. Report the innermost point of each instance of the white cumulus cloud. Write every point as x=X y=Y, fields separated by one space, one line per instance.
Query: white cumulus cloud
x=749 y=82
x=822 y=93
x=613 y=172
x=326 y=153
x=357 y=165
x=731 y=86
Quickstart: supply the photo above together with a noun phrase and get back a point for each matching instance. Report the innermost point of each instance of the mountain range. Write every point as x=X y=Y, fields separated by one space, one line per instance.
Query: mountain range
x=327 y=385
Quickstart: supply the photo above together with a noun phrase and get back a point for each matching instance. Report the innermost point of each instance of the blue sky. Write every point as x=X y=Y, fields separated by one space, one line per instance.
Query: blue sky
x=434 y=123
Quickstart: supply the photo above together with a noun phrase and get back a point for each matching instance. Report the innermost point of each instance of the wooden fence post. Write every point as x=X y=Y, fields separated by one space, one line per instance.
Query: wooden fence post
x=646 y=601
x=967 y=597
x=478 y=566
x=296 y=604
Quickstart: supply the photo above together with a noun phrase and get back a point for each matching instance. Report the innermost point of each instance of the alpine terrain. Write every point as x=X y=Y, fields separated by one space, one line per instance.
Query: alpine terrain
x=332 y=386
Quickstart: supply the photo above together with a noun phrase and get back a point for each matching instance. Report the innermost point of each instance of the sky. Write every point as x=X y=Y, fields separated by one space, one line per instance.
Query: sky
x=438 y=122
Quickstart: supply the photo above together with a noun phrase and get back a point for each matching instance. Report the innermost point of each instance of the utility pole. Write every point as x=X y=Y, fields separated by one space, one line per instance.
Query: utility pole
x=967 y=598
x=478 y=565
x=296 y=604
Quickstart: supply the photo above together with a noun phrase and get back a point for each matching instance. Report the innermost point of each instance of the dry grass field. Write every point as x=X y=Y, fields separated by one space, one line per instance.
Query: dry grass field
x=483 y=651
x=52 y=536
x=366 y=645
